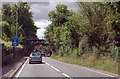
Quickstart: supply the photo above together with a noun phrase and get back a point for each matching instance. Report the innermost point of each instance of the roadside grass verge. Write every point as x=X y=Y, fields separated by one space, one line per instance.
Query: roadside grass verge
x=103 y=63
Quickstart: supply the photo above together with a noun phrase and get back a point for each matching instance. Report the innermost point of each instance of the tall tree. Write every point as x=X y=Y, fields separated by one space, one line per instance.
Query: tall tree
x=25 y=20
x=61 y=31
x=25 y=28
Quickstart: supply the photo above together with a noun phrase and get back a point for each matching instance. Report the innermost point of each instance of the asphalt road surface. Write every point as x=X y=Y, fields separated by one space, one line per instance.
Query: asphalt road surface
x=51 y=68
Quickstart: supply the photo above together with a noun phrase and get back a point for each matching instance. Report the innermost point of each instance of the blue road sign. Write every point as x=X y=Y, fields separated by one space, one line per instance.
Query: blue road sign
x=15 y=41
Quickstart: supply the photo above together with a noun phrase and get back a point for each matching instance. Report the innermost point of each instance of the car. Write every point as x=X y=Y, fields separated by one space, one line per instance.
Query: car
x=35 y=57
x=43 y=53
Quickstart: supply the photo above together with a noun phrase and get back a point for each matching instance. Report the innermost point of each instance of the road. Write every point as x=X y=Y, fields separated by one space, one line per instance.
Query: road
x=57 y=69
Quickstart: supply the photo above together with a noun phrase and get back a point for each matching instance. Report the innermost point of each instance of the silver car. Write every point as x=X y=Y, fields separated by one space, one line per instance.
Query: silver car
x=35 y=57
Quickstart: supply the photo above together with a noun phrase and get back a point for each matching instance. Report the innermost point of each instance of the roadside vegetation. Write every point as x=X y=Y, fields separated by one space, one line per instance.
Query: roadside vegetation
x=25 y=29
x=8 y=44
x=89 y=37
x=25 y=25
x=103 y=63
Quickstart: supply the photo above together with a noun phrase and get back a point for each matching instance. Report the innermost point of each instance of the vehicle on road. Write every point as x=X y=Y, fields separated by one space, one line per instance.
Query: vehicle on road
x=43 y=53
x=35 y=57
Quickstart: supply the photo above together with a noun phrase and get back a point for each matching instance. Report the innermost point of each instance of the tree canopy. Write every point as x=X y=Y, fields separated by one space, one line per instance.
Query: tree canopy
x=91 y=30
x=25 y=24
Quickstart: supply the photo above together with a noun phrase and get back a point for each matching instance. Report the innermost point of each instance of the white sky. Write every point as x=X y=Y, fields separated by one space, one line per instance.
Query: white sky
x=41 y=24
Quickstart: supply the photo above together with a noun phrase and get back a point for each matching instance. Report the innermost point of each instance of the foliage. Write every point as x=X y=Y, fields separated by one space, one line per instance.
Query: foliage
x=25 y=26
x=61 y=33
x=6 y=30
x=25 y=21
x=92 y=30
x=103 y=63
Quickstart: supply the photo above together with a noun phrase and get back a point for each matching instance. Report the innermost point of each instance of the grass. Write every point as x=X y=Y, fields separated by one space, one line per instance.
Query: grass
x=103 y=63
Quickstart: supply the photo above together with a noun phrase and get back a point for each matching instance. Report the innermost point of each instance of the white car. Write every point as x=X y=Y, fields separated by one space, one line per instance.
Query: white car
x=35 y=57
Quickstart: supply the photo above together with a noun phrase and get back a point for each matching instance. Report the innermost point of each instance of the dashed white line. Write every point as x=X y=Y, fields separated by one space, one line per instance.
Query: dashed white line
x=93 y=70
x=47 y=64
x=55 y=68
x=66 y=75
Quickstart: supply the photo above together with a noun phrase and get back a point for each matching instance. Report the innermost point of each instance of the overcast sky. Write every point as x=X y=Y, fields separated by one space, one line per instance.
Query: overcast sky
x=40 y=14
x=40 y=9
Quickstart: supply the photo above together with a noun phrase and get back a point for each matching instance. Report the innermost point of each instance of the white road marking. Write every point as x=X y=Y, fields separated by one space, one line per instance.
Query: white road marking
x=47 y=64
x=66 y=75
x=21 y=69
x=55 y=68
x=90 y=70
x=98 y=72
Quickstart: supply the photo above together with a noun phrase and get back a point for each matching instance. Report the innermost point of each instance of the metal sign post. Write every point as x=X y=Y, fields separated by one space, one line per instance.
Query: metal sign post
x=16 y=18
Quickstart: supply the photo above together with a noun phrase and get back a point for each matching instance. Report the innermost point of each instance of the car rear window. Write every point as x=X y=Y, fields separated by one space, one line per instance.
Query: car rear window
x=35 y=54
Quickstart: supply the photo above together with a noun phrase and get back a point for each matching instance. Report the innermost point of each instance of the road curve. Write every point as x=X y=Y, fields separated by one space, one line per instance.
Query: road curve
x=51 y=68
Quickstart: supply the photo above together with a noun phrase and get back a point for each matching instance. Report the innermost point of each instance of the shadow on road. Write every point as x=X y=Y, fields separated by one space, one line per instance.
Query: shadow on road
x=37 y=63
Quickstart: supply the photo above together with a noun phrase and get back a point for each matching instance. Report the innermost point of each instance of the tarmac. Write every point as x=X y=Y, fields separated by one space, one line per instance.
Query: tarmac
x=10 y=70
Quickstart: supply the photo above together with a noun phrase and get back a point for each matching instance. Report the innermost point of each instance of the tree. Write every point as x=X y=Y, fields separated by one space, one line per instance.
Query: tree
x=5 y=30
x=61 y=33
x=7 y=13
x=116 y=24
x=25 y=21
x=25 y=28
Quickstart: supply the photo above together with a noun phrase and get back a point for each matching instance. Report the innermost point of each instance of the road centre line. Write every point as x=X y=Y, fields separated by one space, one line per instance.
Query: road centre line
x=19 y=72
x=92 y=70
x=47 y=64
x=66 y=75
x=55 y=68
x=60 y=71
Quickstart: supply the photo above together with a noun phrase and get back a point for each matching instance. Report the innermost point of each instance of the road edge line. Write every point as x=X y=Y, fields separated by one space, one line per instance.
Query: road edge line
x=16 y=70
x=21 y=68
x=99 y=72
x=90 y=69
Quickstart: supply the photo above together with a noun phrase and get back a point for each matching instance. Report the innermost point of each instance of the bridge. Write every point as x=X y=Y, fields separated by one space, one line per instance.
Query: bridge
x=30 y=44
